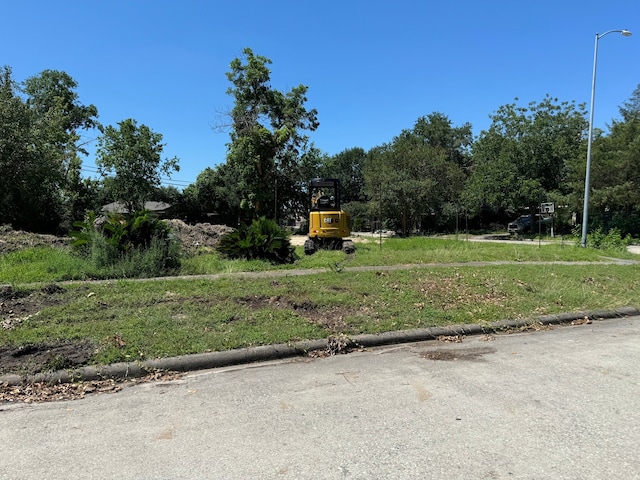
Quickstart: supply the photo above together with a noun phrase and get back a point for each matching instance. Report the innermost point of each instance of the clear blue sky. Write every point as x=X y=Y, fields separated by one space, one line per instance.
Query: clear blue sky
x=372 y=67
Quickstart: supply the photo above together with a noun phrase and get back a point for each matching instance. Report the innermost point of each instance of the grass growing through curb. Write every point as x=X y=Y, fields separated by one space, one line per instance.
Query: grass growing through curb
x=128 y=320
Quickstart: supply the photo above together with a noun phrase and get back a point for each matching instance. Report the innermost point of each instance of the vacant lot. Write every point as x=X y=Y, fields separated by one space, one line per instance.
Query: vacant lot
x=399 y=284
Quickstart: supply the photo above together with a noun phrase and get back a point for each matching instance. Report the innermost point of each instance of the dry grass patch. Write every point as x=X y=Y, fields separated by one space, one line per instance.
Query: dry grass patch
x=456 y=291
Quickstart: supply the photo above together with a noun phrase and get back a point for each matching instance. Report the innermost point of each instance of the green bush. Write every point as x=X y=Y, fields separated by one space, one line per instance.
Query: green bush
x=627 y=223
x=119 y=246
x=612 y=240
x=262 y=240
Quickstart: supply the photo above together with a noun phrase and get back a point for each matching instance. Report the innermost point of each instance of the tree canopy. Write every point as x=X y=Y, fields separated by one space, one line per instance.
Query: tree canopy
x=419 y=180
x=267 y=135
x=615 y=170
x=422 y=171
x=524 y=156
x=39 y=135
x=133 y=155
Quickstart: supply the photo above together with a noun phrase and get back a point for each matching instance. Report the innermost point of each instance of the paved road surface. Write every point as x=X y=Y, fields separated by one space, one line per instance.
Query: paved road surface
x=556 y=404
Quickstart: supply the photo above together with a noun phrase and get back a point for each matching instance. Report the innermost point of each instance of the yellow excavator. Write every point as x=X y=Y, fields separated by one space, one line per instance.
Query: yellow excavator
x=328 y=224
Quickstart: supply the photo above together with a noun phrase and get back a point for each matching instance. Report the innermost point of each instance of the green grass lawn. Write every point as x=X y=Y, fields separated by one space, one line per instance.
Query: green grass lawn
x=45 y=264
x=127 y=320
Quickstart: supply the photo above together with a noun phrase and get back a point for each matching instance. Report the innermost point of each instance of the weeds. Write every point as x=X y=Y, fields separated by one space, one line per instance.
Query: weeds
x=46 y=264
x=115 y=246
x=128 y=320
x=611 y=241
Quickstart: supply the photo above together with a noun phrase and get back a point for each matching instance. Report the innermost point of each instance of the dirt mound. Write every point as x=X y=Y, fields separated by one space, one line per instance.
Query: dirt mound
x=12 y=240
x=192 y=237
x=199 y=236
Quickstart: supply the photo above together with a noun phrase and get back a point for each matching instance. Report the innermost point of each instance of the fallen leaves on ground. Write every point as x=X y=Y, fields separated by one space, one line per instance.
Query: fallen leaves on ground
x=451 y=338
x=47 y=392
x=581 y=321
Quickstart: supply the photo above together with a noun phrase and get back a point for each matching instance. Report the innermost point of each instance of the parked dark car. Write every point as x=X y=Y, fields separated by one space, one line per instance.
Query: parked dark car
x=522 y=224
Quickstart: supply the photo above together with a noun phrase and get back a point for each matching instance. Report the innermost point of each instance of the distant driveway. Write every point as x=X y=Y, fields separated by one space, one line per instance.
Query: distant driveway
x=548 y=404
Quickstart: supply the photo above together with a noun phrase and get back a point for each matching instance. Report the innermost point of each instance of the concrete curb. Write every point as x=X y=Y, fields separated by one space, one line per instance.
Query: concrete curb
x=203 y=361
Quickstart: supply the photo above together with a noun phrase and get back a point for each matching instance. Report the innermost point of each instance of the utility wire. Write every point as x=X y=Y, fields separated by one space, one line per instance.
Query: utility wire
x=164 y=180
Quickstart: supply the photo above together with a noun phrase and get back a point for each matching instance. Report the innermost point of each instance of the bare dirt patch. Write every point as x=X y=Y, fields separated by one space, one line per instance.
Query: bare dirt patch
x=331 y=319
x=30 y=359
x=17 y=306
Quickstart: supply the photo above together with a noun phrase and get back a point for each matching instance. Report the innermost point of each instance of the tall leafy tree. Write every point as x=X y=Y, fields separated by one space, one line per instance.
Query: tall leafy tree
x=394 y=184
x=51 y=96
x=419 y=173
x=132 y=154
x=15 y=155
x=266 y=134
x=615 y=171
x=215 y=194
x=40 y=126
x=630 y=110
x=524 y=156
x=59 y=117
x=436 y=131
x=348 y=167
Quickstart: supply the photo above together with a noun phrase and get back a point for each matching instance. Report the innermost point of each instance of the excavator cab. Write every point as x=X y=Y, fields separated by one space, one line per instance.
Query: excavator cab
x=328 y=223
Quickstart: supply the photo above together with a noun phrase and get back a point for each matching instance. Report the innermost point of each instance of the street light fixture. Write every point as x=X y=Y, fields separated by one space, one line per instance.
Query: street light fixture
x=585 y=209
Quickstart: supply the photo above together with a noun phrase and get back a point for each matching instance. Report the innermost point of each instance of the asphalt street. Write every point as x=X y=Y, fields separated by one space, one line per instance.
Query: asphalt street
x=554 y=404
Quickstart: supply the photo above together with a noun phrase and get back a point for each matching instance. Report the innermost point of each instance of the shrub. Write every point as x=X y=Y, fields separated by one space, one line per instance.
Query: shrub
x=612 y=240
x=138 y=246
x=262 y=240
x=627 y=223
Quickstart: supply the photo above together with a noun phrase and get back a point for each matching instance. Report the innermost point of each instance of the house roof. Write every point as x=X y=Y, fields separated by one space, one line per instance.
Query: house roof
x=119 y=207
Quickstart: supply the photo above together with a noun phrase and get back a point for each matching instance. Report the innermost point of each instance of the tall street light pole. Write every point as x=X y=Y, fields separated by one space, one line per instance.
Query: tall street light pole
x=585 y=209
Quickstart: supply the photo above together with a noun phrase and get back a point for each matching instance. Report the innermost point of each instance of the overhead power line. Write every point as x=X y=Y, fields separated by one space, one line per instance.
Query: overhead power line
x=164 y=180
